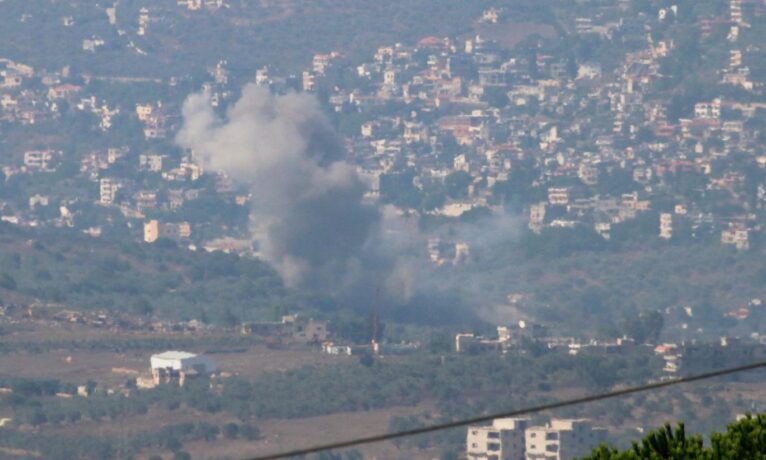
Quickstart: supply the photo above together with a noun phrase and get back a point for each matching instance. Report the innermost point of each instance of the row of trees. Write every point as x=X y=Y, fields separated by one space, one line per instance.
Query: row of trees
x=745 y=439
x=170 y=437
x=174 y=283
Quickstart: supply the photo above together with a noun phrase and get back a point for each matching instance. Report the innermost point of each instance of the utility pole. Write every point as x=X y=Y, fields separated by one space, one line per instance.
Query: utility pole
x=375 y=323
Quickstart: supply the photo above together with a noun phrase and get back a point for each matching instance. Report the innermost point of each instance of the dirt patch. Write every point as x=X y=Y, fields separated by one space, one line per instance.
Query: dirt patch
x=72 y=367
x=280 y=435
x=9 y=453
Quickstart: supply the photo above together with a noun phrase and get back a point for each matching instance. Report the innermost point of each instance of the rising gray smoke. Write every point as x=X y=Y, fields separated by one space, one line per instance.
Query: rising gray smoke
x=311 y=223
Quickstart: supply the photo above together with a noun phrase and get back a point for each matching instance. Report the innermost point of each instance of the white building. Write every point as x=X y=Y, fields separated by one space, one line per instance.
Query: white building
x=108 y=190
x=503 y=440
x=39 y=160
x=414 y=132
x=735 y=11
x=144 y=112
x=150 y=162
x=589 y=71
x=737 y=236
x=91 y=45
x=588 y=174
x=562 y=439
x=179 y=365
x=558 y=196
x=143 y=21
x=708 y=110
x=536 y=217
x=192 y=5
x=38 y=200
x=389 y=77
x=666 y=225
x=262 y=76
x=154 y=230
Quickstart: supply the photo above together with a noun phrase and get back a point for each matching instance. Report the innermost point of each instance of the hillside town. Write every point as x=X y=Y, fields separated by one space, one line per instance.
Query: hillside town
x=443 y=128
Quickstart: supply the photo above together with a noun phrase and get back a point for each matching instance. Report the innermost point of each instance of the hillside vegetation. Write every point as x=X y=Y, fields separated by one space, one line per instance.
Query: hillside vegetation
x=162 y=279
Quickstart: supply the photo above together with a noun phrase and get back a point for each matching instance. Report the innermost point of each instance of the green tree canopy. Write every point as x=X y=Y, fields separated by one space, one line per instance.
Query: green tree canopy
x=743 y=439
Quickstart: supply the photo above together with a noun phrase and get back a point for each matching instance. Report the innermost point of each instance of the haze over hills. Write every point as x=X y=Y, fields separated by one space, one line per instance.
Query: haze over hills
x=281 y=34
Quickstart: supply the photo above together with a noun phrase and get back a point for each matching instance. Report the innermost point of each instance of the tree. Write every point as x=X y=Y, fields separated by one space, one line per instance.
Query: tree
x=646 y=327
x=449 y=148
x=355 y=328
x=496 y=97
x=229 y=319
x=366 y=360
x=7 y=282
x=231 y=431
x=743 y=439
x=441 y=342
x=398 y=189
x=141 y=306
x=249 y=431
x=37 y=418
x=173 y=444
x=457 y=184
x=90 y=386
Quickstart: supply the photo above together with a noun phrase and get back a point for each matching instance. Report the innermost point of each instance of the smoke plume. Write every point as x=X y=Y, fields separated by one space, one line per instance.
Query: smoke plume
x=310 y=220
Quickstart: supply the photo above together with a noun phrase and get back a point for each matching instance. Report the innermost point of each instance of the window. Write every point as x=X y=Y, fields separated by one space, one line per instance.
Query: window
x=552 y=448
x=551 y=436
x=533 y=435
x=494 y=435
x=493 y=447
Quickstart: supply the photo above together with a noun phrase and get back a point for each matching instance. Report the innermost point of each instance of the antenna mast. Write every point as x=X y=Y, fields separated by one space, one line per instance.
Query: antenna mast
x=375 y=322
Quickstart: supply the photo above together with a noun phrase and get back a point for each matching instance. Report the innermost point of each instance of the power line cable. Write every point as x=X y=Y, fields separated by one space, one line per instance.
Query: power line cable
x=515 y=413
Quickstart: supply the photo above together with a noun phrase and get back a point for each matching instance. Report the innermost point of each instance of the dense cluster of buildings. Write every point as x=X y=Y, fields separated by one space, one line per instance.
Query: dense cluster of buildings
x=695 y=357
x=445 y=127
x=599 y=150
x=683 y=357
x=521 y=335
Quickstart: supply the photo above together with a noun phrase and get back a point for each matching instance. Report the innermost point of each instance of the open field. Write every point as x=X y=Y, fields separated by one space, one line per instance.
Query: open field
x=78 y=366
x=280 y=435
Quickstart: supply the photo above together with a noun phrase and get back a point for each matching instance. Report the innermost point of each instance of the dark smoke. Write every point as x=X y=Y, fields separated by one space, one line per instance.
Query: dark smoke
x=311 y=223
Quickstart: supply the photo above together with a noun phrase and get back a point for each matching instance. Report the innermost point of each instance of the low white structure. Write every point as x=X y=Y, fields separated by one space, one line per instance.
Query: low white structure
x=181 y=360
x=179 y=365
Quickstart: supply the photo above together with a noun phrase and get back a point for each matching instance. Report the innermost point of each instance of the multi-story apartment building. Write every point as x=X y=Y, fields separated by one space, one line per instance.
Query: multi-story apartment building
x=108 y=188
x=514 y=439
x=503 y=440
x=666 y=225
x=562 y=439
